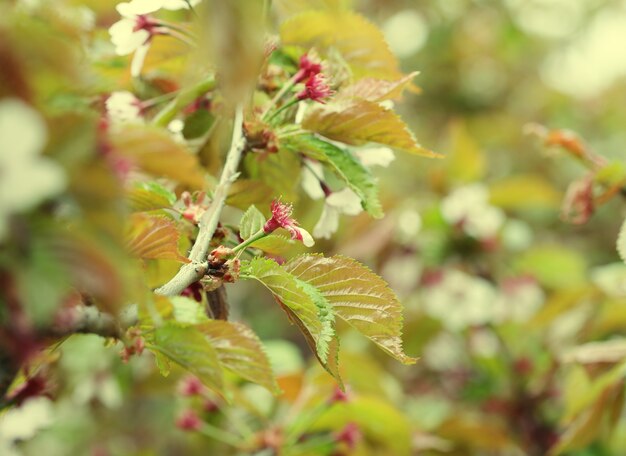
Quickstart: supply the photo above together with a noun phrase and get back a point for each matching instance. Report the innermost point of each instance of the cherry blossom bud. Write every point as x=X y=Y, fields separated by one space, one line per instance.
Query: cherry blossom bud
x=190 y=386
x=338 y=396
x=316 y=89
x=308 y=69
x=281 y=218
x=350 y=435
x=188 y=421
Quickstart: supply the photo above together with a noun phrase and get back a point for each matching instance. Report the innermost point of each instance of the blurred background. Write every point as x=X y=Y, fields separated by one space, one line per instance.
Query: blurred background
x=515 y=312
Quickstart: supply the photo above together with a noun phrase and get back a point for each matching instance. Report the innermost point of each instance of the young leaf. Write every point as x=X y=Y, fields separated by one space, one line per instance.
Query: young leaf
x=251 y=222
x=149 y=196
x=153 y=237
x=359 y=42
x=190 y=348
x=274 y=244
x=360 y=122
x=294 y=297
x=377 y=90
x=155 y=152
x=358 y=296
x=240 y=351
x=356 y=176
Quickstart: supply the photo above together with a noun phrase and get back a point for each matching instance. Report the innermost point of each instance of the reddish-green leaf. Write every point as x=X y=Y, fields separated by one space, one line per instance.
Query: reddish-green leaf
x=358 y=296
x=360 y=43
x=153 y=237
x=359 y=122
x=377 y=90
x=155 y=152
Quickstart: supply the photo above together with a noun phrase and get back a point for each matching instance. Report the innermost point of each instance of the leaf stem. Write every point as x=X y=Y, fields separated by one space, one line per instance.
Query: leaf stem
x=287 y=105
x=255 y=237
x=219 y=434
x=288 y=85
x=167 y=114
x=196 y=268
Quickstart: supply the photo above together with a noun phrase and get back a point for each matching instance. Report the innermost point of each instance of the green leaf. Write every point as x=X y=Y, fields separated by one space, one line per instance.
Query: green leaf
x=187 y=310
x=149 y=196
x=153 y=237
x=198 y=124
x=554 y=266
x=360 y=43
x=359 y=122
x=240 y=351
x=244 y=192
x=251 y=222
x=189 y=348
x=358 y=296
x=299 y=306
x=277 y=171
x=206 y=349
x=354 y=174
x=274 y=244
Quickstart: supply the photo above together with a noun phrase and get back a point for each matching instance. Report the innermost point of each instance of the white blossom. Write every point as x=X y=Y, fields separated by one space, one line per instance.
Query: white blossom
x=611 y=279
x=375 y=156
x=469 y=206
x=134 y=31
x=123 y=107
x=518 y=301
x=23 y=422
x=27 y=177
x=341 y=202
x=310 y=179
x=459 y=300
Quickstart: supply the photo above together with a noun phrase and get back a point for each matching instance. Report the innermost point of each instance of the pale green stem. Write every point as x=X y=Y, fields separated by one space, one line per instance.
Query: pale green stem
x=213 y=432
x=196 y=268
x=255 y=237
x=184 y=98
x=287 y=105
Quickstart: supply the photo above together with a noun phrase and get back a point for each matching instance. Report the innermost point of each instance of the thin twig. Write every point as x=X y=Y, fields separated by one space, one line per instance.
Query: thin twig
x=196 y=268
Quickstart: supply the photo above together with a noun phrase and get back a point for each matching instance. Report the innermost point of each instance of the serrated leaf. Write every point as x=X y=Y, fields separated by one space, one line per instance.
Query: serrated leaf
x=299 y=305
x=251 y=222
x=360 y=43
x=377 y=90
x=326 y=317
x=187 y=310
x=153 y=237
x=345 y=165
x=621 y=242
x=149 y=196
x=274 y=244
x=190 y=348
x=156 y=152
x=358 y=296
x=240 y=351
x=360 y=122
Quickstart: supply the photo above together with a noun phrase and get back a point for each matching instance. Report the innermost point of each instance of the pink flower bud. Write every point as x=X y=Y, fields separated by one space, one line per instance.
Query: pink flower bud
x=316 y=89
x=308 y=69
x=190 y=386
x=281 y=218
x=188 y=421
x=350 y=435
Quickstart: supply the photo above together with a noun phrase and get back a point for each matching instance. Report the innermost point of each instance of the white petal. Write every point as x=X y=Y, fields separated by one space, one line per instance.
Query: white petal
x=345 y=201
x=22 y=132
x=138 y=7
x=178 y=4
x=328 y=223
x=375 y=156
x=307 y=239
x=125 y=39
x=137 y=63
x=310 y=182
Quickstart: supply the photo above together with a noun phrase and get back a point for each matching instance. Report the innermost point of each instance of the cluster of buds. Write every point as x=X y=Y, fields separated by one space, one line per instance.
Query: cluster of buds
x=195 y=206
x=135 y=345
x=192 y=388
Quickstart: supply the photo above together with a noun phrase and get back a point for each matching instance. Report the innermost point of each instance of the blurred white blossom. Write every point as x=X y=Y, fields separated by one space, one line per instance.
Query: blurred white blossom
x=27 y=177
x=123 y=107
x=342 y=202
x=445 y=352
x=469 y=207
x=459 y=300
x=518 y=300
x=23 y=422
x=375 y=156
x=611 y=279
